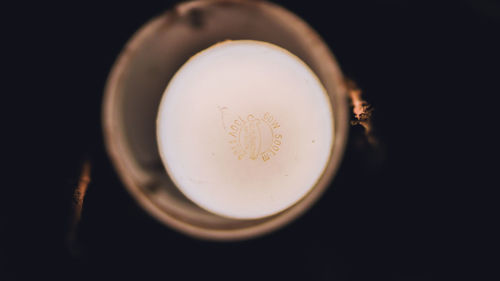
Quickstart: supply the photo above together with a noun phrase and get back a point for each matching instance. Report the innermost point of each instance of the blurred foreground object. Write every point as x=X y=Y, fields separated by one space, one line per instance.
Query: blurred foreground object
x=143 y=70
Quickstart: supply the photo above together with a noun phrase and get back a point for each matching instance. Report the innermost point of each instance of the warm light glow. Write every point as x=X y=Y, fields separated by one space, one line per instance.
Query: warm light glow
x=245 y=129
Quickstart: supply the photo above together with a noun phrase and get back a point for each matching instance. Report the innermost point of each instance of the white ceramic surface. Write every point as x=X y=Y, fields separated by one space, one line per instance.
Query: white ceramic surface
x=245 y=129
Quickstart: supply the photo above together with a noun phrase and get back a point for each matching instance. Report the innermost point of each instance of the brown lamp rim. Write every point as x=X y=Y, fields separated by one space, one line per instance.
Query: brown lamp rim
x=339 y=102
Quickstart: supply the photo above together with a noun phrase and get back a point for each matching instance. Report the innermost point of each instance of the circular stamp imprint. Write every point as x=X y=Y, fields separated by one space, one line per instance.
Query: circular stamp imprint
x=254 y=137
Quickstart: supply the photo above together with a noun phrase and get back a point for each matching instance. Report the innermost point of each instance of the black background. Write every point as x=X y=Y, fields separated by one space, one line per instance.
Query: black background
x=384 y=217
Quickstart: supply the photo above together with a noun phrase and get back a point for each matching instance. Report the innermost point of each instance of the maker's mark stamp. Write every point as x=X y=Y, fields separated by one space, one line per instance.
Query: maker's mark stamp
x=255 y=137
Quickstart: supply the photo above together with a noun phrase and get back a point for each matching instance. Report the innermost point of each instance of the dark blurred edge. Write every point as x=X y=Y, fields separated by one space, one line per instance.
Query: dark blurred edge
x=61 y=53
